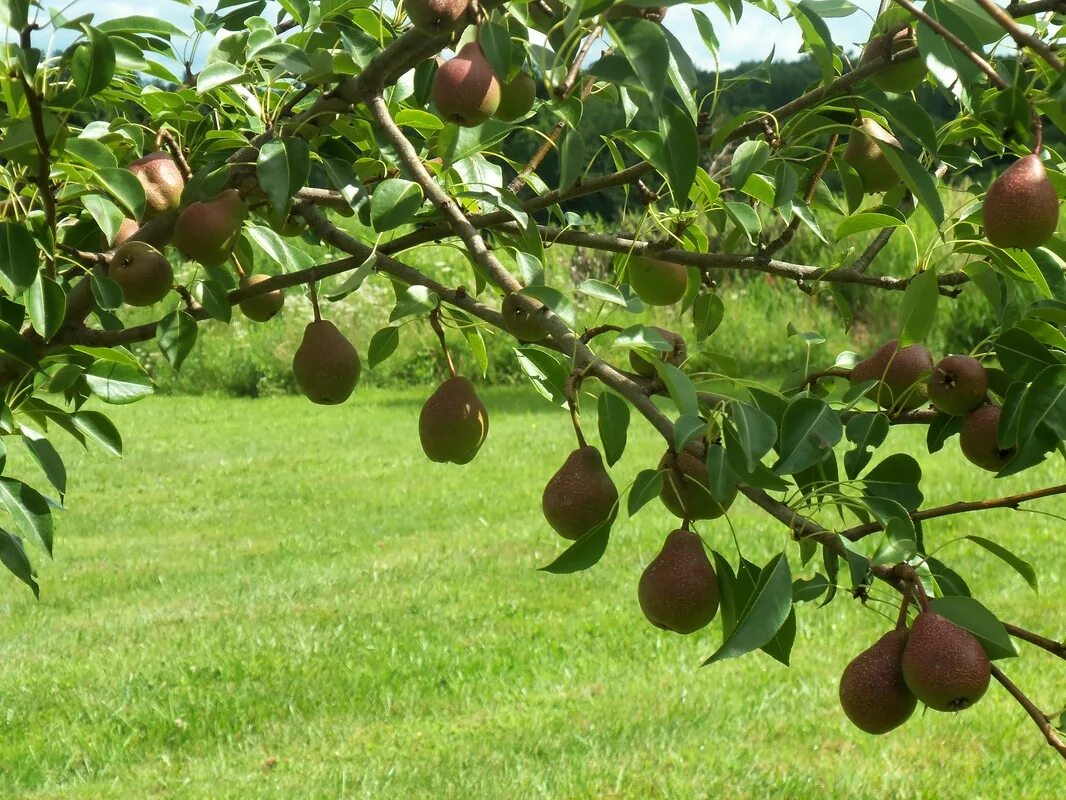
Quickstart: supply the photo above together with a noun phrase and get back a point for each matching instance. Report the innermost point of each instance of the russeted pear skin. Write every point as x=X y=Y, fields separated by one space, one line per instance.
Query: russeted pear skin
x=516 y=98
x=900 y=374
x=453 y=423
x=326 y=365
x=126 y=229
x=864 y=154
x=162 y=181
x=143 y=272
x=897 y=78
x=519 y=323
x=687 y=495
x=1021 y=208
x=678 y=590
x=580 y=495
x=676 y=355
x=436 y=16
x=207 y=230
x=979 y=440
x=261 y=307
x=656 y=282
x=943 y=665
x=872 y=692
x=465 y=89
x=958 y=385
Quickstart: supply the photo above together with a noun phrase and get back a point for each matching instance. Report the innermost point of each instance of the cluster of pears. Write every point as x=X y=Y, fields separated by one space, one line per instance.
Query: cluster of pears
x=453 y=423
x=935 y=661
x=467 y=91
x=956 y=385
x=326 y=365
x=657 y=282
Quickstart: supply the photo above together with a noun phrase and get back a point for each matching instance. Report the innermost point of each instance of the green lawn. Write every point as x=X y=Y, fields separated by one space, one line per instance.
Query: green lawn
x=268 y=599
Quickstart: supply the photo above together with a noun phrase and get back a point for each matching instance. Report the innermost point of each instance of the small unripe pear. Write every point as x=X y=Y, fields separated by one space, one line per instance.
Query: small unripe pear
x=656 y=282
x=1021 y=207
x=685 y=492
x=678 y=590
x=465 y=89
x=519 y=323
x=206 y=231
x=326 y=365
x=865 y=155
x=261 y=307
x=897 y=78
x=516 y=98
x=676 y=355
x=162 y=181
x=143 y=273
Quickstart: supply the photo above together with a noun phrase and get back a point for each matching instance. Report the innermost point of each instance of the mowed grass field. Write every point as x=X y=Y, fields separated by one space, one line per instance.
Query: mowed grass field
x=269 y=599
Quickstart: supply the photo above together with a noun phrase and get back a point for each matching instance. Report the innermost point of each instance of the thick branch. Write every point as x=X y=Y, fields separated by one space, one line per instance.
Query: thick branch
x=1038 y=716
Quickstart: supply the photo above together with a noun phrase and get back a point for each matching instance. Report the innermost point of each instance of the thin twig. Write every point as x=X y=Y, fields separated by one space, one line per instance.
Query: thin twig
x=1021 y=37
x=545 y=147
x=564 y=89
x=164 y=137
x=1038 y=716
x=434 y=323
x=599 y=330
x=790 y=230
x=1043 y=642
x=949 y=37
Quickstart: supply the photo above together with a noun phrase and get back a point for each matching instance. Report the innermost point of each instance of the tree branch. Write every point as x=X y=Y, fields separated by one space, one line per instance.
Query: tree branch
x=790 y=231
x=1021 y=37
x=1038 y=716
x=1053 y=647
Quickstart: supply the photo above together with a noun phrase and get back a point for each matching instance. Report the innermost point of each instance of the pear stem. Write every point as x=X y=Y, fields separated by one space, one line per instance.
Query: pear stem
x=573 y=384
x=313 y=290
x=1038 y=131
x=901 y=620
x=434 y=323
x=164 y=137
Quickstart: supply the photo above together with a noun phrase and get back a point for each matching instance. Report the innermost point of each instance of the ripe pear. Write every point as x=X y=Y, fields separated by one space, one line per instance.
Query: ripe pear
x=580 y=495
x=898 y=78
x=519 y=323
x=943 y=665
x=678 y=590
x=261 y=307
x=516 y=98
x=657 y=283
x=126 y=229
x=453 y=423
x=865 y=155
x=326 y=365
x=898 y=373
x=162 y=181
x=676 y=356
x=143 y=273
x=872 y=691
x=687 y=496
x=436 y=16
x=465 y=89
x=979 y=441
x=958 y=384
x=651 y=13
x=1021 y=208
x=206 y=231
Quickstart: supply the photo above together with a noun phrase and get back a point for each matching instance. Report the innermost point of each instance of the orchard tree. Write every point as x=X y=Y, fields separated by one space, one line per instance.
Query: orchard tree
x=118 y=169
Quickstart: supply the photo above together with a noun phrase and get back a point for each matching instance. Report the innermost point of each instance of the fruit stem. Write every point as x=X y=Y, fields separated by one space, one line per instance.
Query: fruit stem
x=573 y=384
x=901 y=620
x=313 y=289
x=237 y=264
x=1038 y=131
x=577 y=425
x=434 y=323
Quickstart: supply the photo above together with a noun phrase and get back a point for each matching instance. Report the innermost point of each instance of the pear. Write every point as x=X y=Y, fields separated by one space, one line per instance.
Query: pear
x=580 y=495
x=979 y=439
x=453 y=423
x=519 y=323
x=943 y=665
x=900 y=375
x=1021 y=208
x=326 y=365
x=143 y=273
x=436 y=16
x=687 y=496
x=872 y=691
x=516 y=98
x=465 y=89
x=657 y=283
x=207 y=231
x=126 y=229
x=897 y=78
x=678 y=590
x=865 y=155
x=676 y=355
x=261 y=307
x=162 y=181
x=958 y=384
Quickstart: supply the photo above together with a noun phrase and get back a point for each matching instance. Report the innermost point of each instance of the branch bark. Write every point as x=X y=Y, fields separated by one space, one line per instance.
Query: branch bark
x=1039 y=717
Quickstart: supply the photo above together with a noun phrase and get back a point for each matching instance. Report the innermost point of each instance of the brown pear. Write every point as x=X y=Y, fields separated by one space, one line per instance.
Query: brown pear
x=465 y=89
x=580 y=495
x=979 y=439
x=264 y=306
x=678 y=590
x=685 y=491
x=453 y=423
x=436 y=16
x=162 y=181
x=1021 y=207
x=864 y=153
x=676 y=355
x=900 y=375
x=898 y=77
x=519 y=323
x=143 y=273
x=126 y=229
x=206 y=231
x=958 y=384
x=872 y=691
x=326 y=365
x=944 y=665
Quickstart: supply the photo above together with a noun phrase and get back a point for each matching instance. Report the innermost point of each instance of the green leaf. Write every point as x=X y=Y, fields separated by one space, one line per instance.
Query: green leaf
x=219 y=73
x=213 y=297
x=809 y=431
x=764 y=614
x=680 y=151
x=282 y=170
x=948 y=581
x=916 y=177
x=19 y=258
x=395 y=202
x=896 y=478
x=124 y=187
x=613 y=421
x=100 y=429
x=749 y=157
x=708 y=311
x=918 y=309
x=604 y=291
x=12 y=553
x=583 y=553
x=47 y=458
x=46 y=303
x=867 y=221
x=865 y=431
x=14 y=14
x=1044 y=403
x=645 y=48
x=680 y=386
x=970 y=614
x=558 y=302
x=118 y=383
x=382 y=345
x=646 y=487
x=138 y=24
x=176 y=336
x=29 y=509
x=93 y=64
x=1020 y=565
x=756 y=433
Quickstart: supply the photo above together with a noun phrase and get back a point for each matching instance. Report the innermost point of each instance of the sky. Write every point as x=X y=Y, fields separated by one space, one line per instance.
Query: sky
x=751 y=40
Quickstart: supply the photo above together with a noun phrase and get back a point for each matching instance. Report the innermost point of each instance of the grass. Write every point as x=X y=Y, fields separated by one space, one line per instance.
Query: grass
x=267 y=599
